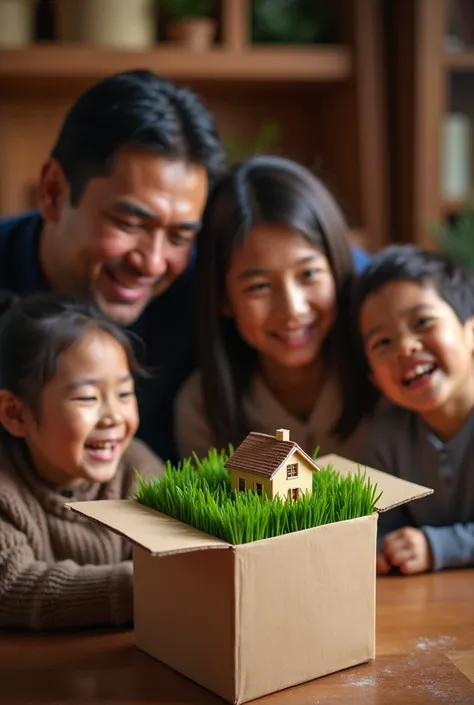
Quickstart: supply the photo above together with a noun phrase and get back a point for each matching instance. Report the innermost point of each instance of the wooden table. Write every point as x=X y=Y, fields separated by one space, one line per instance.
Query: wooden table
x=425 y=654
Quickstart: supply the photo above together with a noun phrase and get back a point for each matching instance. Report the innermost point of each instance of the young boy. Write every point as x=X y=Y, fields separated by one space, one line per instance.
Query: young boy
x=415 y=314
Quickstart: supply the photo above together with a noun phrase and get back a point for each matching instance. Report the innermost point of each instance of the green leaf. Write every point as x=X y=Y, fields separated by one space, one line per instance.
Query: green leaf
x=198 y=492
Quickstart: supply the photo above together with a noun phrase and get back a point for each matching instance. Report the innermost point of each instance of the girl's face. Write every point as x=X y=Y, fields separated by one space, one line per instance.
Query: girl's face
x=88 y=414
x=281 y=294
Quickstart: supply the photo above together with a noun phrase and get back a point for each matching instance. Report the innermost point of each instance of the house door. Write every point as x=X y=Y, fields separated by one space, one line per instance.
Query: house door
x=294 y=493
x=258 y=488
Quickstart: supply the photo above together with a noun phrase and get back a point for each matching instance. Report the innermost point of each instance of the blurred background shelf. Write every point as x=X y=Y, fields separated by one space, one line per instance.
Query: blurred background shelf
x=319 y=101
x=51 y=61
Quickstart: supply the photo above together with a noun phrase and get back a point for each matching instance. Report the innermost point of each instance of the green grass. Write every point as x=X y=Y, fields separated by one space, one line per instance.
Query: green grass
x=198 y=493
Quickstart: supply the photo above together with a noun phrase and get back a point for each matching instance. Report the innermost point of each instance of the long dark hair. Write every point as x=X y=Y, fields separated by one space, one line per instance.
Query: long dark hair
x=272 y=190
x=36 y=329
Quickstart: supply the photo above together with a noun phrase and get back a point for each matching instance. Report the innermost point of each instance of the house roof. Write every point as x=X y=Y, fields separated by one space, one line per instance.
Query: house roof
x=261 y=454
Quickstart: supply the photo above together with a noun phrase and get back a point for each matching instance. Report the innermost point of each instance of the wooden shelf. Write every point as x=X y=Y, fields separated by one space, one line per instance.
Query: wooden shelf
x=327 y=101
x=55 y=61
x=460 y=60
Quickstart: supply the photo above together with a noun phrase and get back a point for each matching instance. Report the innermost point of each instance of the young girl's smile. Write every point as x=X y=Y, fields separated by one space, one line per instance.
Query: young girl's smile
x=281 y=294
x=87 y=414
x=274 y=272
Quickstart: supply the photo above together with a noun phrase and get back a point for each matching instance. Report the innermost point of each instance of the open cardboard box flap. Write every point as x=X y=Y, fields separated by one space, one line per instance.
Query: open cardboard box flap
x=162 y=535
x=158 y=533
x=395 y=491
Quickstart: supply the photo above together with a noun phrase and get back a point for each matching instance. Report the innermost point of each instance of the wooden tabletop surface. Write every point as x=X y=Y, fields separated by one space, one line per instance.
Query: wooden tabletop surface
x=425 y=654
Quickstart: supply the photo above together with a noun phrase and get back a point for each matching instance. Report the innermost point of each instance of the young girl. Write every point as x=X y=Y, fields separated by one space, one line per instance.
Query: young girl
x=274 y=271
x=68 y=413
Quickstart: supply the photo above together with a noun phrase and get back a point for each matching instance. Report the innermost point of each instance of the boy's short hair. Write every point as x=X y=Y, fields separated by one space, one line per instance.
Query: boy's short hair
x=451 y=281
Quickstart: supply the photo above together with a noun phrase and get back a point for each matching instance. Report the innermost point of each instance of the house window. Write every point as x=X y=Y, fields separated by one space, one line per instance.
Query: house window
x=291 y=471
x=294 y=493
x=258 y=488
x=241 y=484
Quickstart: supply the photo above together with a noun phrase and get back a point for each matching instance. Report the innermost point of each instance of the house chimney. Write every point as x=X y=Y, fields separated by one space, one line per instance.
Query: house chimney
x=282 y=434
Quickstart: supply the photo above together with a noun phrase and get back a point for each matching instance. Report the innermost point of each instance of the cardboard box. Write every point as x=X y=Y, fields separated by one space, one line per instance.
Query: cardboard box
x=244 y=621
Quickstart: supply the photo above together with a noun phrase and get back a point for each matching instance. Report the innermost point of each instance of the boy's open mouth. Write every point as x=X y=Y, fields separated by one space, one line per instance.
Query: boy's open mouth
x=418 y=373
x=101 y=445
x=102 y=450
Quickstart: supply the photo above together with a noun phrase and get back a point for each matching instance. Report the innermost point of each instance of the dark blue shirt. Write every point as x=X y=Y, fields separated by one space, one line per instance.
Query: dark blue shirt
x=361 y=258
x=166 y=327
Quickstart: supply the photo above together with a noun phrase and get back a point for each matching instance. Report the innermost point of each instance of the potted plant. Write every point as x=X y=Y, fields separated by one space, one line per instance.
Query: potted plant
x=293 y=22
x=17 y=23
x=455 y=236
x=113 y=23
x=190 y=23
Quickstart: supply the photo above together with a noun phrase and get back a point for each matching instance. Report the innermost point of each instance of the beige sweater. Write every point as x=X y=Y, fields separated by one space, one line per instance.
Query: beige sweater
x=265 y=414
x=58 y=569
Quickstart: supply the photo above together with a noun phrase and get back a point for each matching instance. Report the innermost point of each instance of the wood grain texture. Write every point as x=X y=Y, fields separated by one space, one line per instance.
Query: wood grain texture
x=54 y=61
x=425 y=654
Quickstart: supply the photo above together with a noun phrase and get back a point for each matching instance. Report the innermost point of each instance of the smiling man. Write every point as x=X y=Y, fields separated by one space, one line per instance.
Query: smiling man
x=120 y=202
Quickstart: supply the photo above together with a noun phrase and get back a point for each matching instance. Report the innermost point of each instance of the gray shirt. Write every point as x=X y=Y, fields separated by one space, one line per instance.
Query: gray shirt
x=399 y=442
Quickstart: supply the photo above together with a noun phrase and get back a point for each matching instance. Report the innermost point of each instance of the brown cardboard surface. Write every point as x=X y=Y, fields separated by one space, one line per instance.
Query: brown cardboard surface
x=464 y=660
x=395 y=491
x=262 y=616
x=306 y=605
x=184 y=608
x=259 y=617
x=158 y=533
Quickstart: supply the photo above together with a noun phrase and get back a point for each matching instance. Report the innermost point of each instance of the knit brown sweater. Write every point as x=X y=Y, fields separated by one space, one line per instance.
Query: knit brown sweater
x=58 y=569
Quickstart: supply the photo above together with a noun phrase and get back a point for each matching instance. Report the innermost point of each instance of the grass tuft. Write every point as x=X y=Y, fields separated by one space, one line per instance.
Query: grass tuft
x=198 y=492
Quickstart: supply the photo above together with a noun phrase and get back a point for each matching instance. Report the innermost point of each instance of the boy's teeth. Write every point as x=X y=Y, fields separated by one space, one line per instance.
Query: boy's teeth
x=105 y=445
x=418 y=371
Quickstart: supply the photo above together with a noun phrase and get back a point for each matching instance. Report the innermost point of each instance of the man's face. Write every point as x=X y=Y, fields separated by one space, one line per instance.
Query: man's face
x=131 y=234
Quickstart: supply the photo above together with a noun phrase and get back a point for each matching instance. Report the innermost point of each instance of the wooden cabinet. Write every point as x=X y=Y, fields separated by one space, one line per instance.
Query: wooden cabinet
x=328 y=102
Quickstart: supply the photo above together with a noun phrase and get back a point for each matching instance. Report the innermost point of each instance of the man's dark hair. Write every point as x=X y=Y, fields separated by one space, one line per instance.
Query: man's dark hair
x=449 y=279
x=135 y=108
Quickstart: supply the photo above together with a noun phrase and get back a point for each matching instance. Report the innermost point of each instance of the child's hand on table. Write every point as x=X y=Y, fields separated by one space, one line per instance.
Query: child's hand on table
x=407 y=549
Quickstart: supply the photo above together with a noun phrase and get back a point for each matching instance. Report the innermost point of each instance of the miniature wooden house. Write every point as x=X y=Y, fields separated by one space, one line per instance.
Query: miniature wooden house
x=272 y=464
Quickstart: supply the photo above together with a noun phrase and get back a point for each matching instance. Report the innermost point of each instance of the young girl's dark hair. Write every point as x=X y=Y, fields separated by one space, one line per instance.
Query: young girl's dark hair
x=270 y=190
x=36 y=329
